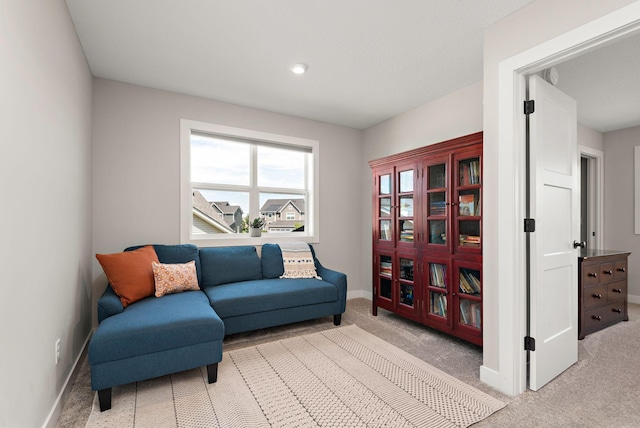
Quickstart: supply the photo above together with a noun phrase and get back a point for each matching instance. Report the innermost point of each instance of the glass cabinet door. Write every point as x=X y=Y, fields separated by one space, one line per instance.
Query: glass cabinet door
x=406 y=289
x=405 y=200
x=468 y=299
x=437 y=204
x=384 y=207
x=437 y=280
x=385 y=276
x=467 y=205
x=394 y=206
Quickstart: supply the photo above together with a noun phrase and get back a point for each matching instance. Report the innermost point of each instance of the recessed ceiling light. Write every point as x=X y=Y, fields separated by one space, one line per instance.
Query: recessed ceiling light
x=299 y=68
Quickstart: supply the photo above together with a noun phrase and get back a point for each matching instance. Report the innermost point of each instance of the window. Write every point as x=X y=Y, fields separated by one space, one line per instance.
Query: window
x=230 y=176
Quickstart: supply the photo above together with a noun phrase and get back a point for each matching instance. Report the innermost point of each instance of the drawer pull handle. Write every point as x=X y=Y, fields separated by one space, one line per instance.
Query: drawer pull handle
x=622 y=270
x=596 y=317
x=617 y=290
x=592 y=274
x=607 y=272
x=616 y=310
x=597 y=296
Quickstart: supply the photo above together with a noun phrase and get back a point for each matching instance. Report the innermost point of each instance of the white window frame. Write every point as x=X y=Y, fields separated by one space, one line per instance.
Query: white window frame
x=312 y=219
x=290 y=214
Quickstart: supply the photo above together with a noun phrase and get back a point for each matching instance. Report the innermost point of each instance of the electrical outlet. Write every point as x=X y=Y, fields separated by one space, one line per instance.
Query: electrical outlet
x=57 y=351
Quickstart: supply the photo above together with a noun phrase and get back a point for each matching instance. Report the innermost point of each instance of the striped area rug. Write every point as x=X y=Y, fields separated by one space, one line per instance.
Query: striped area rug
x=342 y=377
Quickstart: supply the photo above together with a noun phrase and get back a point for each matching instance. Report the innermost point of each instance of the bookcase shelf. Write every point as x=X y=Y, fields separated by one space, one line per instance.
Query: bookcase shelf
x=427 y=236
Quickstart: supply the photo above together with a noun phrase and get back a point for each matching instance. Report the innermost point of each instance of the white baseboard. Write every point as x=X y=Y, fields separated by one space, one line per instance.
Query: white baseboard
x=633 y=299
x=54 y=414
x=359 y=294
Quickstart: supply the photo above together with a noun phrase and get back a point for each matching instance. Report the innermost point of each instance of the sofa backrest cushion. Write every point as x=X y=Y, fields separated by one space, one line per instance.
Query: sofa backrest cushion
x=179 y=253
x=222 y=265
x=272 y=265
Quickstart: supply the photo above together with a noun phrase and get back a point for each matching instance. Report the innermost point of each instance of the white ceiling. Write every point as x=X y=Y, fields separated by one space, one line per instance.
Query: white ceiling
x=606 y=85
x=368 y=60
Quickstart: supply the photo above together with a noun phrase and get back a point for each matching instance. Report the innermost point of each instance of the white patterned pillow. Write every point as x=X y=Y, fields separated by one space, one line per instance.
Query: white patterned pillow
x=174 y=278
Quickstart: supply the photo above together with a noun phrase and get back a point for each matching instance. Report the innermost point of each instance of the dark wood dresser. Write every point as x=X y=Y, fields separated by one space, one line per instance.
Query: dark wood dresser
x=602 y=289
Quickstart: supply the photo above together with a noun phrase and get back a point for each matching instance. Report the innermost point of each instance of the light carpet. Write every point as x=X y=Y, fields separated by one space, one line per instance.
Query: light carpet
x=342 y=377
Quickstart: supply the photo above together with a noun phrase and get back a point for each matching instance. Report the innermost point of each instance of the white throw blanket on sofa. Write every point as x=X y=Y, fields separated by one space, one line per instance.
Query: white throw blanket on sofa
x=298 y=261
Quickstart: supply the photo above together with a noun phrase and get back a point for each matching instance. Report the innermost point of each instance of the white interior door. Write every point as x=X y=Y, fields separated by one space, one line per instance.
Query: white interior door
x=554 y=199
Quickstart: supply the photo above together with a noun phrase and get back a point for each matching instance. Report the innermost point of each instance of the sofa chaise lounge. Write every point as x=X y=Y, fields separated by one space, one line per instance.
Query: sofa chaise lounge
x=237 y=291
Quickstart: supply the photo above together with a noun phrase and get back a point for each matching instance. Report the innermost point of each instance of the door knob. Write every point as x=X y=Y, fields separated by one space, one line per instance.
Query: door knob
x=580 y=244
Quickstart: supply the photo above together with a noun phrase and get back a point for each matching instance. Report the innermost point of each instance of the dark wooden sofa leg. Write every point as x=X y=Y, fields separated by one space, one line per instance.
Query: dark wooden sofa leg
x=337 y=319
x=212 y=372
x=104 y=398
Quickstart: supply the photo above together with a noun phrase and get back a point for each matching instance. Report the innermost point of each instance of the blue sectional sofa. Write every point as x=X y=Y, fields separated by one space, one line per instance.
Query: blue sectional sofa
x=239 y=291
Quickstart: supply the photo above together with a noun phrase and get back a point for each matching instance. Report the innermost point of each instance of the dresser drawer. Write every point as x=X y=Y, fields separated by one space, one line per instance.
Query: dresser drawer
x=594 y=318
x=616 y=290
x=594 y=296
x=620 y=270
x=606 y=272
x=590 y=275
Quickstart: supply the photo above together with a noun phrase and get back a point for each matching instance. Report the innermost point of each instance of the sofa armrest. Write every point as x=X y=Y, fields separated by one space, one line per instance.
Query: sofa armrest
x=109 y=304
x=338 y=279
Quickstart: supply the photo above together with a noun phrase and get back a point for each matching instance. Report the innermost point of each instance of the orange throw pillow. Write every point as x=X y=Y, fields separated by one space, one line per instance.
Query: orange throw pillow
x=130 y=273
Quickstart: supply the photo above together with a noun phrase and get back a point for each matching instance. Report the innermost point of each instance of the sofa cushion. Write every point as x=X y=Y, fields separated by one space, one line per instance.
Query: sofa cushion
x=153 y=325
x=179 y=253
x=271 y=258
x=174 y=278
x=223 y=265
x=250 y=297
x=130 y=273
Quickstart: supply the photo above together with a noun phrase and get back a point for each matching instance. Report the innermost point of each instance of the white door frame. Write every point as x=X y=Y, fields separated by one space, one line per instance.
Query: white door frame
x=511 y=135
x=595 y=158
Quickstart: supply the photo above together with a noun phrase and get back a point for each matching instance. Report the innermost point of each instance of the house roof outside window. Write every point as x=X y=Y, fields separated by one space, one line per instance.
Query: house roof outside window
x=278 y=205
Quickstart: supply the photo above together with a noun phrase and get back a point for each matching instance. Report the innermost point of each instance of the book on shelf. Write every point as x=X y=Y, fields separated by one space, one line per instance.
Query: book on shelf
x=471 y=313
x=470 y=240
x=438 y=275
x=466 y=205
x=438 y=304
x=464 y=310
x=406 y=236
x=386 y=268
x=470 y=172
x=469 y=282
x=438 y=208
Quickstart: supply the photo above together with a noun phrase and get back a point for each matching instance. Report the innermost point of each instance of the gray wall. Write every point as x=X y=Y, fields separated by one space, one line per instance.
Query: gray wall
x=136 y=167
x=454 y=115
x=538 y=22
x=619 y=200
x=45 y=185
x=589 y=137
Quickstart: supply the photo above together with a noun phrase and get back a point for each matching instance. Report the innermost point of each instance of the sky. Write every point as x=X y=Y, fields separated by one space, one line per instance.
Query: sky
x=276 y=168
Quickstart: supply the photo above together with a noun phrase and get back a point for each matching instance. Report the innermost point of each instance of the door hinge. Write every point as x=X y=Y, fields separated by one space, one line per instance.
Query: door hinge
x=529 y=225
x=529 y=106
x=529 y=343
